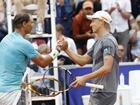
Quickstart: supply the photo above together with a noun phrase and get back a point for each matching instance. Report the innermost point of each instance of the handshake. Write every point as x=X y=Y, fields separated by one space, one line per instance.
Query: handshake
x=62 y=44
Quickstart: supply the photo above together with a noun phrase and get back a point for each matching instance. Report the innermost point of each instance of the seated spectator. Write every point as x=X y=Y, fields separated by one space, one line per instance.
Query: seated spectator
x=135 y=37
x=63 y=58
x=81 y=27
x=121 y=52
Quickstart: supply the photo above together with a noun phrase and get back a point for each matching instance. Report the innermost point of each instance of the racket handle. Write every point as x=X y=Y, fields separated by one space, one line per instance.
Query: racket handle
x=94 y=85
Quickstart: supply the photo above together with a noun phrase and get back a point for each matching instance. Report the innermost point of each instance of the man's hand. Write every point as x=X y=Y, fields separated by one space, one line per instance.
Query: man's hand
x=62 y=44
x=80 y=81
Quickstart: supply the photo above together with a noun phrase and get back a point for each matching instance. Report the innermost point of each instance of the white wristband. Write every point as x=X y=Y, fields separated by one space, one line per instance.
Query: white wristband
x=54 y=54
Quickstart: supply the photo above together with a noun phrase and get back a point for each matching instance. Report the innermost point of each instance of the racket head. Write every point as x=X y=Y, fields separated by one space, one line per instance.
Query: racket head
x=65 y=78
x=41 y=87
x=45 y=86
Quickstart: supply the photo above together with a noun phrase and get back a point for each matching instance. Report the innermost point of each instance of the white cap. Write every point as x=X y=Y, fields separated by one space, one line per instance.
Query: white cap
x=102 y=15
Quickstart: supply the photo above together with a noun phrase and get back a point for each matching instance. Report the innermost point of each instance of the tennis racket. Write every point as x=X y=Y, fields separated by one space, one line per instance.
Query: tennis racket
x=41 y=86
x=45 y=86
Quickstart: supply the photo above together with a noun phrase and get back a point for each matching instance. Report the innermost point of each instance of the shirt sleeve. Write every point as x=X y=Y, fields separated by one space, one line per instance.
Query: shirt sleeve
x=108 y=48
x=29 y=50
x=90 y=52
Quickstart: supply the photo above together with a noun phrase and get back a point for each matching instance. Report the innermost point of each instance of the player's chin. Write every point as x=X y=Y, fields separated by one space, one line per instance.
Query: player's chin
x=94 y=30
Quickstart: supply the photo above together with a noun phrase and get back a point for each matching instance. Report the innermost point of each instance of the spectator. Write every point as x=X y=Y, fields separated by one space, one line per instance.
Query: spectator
x=63 y=58
x=96 y=4
x=121 y=53
x=81 y=27
x=120 y=11
x=64 y=13
x=135 y=38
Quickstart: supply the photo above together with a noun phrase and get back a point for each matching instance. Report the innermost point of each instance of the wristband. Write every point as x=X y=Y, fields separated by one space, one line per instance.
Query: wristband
x=54 y=54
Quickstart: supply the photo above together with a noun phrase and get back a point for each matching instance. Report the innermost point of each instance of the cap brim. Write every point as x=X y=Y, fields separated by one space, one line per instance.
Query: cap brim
x=90 y=17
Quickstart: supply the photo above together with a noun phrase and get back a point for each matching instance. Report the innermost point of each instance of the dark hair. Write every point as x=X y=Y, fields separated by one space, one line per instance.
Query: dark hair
x=19 y=19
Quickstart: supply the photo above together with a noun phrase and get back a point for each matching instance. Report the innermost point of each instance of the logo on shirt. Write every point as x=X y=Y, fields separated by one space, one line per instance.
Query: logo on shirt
x=106 y=50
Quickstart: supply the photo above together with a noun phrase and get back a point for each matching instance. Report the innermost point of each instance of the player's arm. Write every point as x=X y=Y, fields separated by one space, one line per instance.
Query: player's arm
x=102 y=71
x=78 y=59
x=45 y=60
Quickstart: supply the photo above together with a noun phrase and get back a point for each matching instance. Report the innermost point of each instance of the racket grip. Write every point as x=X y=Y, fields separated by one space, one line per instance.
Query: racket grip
x=94 y=85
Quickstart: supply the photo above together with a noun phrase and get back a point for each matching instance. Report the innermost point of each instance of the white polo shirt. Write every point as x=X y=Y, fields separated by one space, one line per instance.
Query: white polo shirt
x=118 y=23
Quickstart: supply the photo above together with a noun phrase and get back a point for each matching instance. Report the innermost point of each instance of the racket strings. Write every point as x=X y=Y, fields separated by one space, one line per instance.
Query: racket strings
x=45 y=83
x=61 y=88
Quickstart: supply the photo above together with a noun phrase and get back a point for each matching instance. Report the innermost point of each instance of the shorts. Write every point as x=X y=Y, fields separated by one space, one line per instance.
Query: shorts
x=10 y=98
x=102 y=98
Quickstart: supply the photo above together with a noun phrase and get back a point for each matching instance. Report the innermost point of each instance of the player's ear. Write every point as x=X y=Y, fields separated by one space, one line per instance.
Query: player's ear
x=24 y=24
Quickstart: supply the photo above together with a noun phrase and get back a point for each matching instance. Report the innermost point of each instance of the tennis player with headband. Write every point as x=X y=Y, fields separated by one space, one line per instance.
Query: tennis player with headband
x=16 y=52
x=104 y=54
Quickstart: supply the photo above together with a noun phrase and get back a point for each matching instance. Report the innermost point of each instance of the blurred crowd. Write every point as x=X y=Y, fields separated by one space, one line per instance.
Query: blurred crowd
x=71 y=21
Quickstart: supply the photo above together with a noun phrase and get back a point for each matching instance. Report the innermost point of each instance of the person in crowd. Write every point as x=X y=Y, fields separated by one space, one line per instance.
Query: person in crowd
x=121 y=53
x=96 y=4
x=16 y=52
x=81 y=27
x=104 y=54
x=64 y=14
x=120 y=11
x=135 y=37
x=63 y=58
